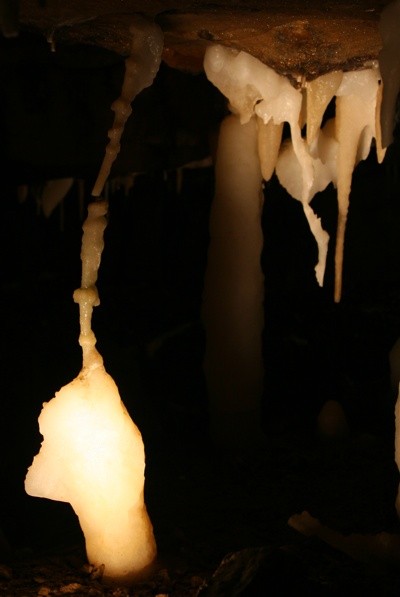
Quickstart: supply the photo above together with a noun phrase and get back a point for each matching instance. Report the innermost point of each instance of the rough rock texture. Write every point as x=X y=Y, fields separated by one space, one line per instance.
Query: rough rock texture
x=304 y=42
x=55 y=106
x=295 y=38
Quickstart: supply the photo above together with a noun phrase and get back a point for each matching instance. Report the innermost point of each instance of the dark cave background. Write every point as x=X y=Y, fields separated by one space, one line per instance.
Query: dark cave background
x=54 y=114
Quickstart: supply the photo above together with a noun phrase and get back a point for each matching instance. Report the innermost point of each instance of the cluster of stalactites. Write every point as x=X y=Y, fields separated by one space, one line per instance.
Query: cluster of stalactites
x=327 y=152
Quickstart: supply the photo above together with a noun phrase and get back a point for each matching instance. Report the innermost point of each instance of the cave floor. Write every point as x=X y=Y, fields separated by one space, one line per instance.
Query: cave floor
x=204 y=508
x=203 y=504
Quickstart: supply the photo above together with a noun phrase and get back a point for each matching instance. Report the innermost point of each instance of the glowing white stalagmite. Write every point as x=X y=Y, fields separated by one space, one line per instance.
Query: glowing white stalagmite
x=234 y=283
x=140 y=70
x=92 y=454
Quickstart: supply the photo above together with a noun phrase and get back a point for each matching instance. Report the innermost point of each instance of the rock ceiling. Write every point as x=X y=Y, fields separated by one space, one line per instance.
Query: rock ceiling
x=296 y=38
x=56 y=105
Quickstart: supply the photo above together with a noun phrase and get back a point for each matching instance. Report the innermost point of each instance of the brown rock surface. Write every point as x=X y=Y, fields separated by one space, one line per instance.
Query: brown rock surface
x=295 y=38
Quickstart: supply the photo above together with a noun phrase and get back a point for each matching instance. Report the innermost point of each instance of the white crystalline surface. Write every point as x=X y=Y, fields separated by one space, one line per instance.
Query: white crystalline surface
x=307 y=162
x=92 y=454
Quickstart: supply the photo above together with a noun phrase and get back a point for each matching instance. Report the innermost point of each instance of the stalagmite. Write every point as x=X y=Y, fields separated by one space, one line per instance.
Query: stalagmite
x=234 y=283
x=92 y=454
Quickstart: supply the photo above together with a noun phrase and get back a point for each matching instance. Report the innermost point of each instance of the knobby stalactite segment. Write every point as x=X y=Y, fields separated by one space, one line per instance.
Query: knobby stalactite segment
x=140 y=70
x=87 y=296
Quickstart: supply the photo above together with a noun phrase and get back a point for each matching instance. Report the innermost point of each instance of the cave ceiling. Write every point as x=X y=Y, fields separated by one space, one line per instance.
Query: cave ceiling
x=305 y=38
x=62 y=64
